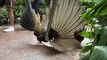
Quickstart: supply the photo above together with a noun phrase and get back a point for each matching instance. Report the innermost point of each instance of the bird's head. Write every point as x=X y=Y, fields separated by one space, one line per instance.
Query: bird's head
x=41 y=36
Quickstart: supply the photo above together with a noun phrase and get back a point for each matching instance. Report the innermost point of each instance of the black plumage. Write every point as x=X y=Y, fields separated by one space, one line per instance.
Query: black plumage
x=53 y=34
x=77 y=36
x=41 y=35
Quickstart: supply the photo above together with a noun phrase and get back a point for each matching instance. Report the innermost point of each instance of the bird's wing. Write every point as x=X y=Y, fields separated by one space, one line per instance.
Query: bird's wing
x=27 y=20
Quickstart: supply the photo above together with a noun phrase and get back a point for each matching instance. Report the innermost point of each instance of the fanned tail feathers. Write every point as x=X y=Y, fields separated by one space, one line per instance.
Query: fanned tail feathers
x=64 y=45
x=66 y=21
x=64 y=18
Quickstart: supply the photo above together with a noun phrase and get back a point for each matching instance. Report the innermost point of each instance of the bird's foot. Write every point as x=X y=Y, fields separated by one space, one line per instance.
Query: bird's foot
x=47 y=44
x=39 y=43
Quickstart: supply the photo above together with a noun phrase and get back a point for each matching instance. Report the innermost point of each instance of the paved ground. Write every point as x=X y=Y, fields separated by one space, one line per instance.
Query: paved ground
x=21 y=45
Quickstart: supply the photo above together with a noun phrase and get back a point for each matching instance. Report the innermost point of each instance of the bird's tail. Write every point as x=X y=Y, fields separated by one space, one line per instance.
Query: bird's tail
x=64 y=44
x=64 y=18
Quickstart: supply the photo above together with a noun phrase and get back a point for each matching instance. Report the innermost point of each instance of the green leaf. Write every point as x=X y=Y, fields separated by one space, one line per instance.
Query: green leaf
x=89 y=3
x=94 y=11
x=85 y=56
x=99 y=53
x=102 y=20
x=87 y=34
x=103 y=38
x=86 y=48
x=104 y=11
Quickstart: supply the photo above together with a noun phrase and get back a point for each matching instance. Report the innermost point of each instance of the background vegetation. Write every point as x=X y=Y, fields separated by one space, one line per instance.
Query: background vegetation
x=95 y=17
x=18 y=9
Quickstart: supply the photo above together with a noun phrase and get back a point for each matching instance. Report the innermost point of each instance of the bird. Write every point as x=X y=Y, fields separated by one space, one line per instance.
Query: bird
x=59 y=24
x=77 y=35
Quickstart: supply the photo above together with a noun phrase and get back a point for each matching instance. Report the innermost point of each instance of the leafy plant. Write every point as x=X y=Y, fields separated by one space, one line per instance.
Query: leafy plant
x=99 y=53
x=96 y=17
x=18 y=9
x=3 y=16
x=89 y=3
x=43 y=5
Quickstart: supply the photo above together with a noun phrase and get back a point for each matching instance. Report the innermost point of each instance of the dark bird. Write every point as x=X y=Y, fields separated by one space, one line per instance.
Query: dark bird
x=41 y=36
x=59 y=24
x=77 y=36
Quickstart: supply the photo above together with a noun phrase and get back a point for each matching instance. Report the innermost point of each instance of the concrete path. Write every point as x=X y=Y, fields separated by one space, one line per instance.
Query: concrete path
x=21 y=45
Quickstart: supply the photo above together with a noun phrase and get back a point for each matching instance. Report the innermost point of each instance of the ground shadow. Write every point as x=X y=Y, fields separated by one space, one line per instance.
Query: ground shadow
x=45 y=49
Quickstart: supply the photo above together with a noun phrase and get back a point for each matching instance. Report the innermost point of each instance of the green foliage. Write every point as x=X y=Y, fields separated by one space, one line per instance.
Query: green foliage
x=87 y=48
x=93 y=17
x=95 y=11
x=89 y=3
x=3 y=16
x=103 y=38
x=96 y=16
x=99 y=53
x=87 y=34
x=18 y=9
x=43 y=5
x=104 y=11
x=98 y=32
x=3 y=12
x=0 y=21
x=85 y=56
